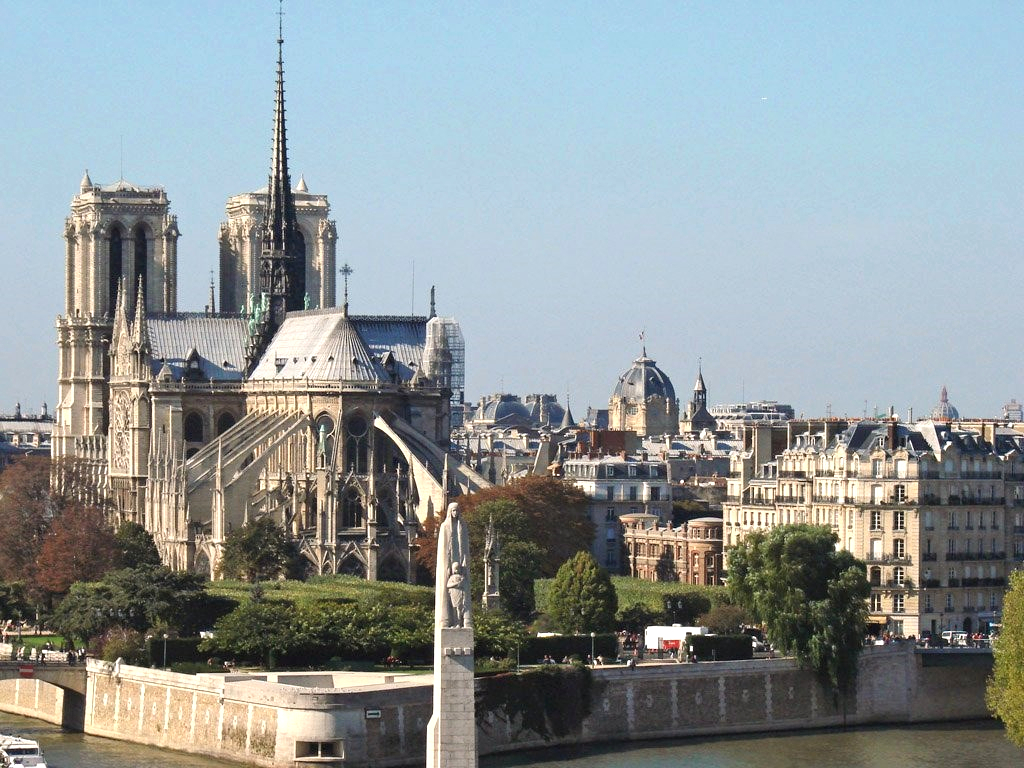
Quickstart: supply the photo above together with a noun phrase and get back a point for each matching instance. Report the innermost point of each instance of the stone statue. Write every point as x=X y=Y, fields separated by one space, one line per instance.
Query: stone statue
x=452 y=599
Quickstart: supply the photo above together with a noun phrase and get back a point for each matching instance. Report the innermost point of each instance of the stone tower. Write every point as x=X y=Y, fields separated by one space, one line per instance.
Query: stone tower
x=116 y=234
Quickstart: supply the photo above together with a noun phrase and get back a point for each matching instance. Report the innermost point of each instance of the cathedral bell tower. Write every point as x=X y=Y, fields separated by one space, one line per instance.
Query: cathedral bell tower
x=116 y=234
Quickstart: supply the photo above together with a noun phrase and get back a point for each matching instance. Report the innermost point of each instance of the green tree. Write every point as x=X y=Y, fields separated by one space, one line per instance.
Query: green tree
x=256 y=629
x=259 y=550
x=582 y=598
x=724 y=619
x=138 y=599
x=636 y=616
x=496 y=633
x=520 y=555
x=684 y=607
x=134 y=547
x=1005 y=694
x=811 y=597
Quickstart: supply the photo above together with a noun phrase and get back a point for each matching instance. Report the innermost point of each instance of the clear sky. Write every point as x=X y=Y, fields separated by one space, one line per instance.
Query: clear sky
x=821 y=200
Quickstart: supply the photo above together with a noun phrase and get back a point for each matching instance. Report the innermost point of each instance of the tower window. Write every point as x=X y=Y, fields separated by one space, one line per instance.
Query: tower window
x=116 y=269
x=141 y=259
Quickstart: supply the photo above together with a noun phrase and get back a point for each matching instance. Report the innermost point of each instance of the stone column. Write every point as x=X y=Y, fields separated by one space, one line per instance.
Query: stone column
x=451 y=732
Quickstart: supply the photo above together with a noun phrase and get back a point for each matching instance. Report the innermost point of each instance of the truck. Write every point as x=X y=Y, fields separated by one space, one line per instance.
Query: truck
x=669 y=638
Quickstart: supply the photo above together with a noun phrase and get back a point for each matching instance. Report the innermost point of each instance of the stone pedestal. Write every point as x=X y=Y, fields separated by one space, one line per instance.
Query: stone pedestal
x=451 y=734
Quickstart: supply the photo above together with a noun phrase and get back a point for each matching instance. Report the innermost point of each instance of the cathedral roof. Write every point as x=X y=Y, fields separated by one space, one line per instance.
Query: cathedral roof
x=220 y=342
x=643 y=380
x=322 y=345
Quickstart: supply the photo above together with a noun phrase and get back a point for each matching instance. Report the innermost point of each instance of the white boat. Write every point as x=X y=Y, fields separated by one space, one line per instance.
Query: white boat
x=15 y=750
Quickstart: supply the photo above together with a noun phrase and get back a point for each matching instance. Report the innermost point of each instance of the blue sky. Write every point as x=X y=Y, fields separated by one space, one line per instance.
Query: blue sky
x=820 y=200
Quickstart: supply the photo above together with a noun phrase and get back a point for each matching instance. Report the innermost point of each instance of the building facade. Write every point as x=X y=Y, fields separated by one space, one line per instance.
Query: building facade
x=690 y=553
x=935 y=510
x=618 y=486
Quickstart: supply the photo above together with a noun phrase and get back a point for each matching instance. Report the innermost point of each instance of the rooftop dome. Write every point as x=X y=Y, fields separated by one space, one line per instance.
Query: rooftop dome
x=945 y=410
x=644 y=380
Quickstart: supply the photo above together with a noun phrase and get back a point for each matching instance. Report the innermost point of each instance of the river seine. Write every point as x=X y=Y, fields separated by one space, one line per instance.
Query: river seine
x=964 y=745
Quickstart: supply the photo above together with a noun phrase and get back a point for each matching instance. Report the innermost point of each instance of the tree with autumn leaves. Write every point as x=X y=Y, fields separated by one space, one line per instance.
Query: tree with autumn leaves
x=541 y=522
x=49 y=541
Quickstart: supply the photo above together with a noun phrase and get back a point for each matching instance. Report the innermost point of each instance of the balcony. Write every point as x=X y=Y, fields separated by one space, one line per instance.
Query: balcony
x=790 y=473
x=953 y=583
x=905 y=584
x=888 y=559
x=930 y=583
x=930 y=557
x=981 y=475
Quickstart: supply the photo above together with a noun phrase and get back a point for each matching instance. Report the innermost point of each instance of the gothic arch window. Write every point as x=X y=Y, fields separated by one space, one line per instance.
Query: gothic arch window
x=225 y=422
x=353 y=566
x=193 y=428
x=115 y=248
x=351 y=509
x=356 y=443
x=141 y=257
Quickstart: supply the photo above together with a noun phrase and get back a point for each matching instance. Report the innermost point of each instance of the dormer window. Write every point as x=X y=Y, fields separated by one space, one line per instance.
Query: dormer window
x=193 y=367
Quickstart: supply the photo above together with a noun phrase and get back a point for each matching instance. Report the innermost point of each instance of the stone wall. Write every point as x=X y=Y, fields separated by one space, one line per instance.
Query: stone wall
x=261 y=720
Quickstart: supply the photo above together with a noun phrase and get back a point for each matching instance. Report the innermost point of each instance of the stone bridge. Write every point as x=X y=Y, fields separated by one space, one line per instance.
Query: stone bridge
x=63 y=675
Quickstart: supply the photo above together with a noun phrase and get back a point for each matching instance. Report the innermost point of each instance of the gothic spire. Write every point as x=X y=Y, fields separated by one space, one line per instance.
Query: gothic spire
x=282 y=269
x=140 y=332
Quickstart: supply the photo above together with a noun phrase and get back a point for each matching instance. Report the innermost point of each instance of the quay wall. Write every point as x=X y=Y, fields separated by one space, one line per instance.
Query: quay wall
x=259 y=720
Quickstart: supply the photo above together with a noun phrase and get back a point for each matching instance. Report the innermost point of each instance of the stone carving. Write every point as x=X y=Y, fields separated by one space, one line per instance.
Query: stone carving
x=453 y=600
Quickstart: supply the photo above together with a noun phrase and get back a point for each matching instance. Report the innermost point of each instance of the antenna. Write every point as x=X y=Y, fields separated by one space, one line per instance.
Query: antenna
x=122 y=157
x=280 y=21
x=412 y=297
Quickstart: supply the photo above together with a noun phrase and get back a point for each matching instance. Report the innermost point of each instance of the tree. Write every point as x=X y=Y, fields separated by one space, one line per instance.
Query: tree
x=582 y=598
x=520 y=556
x=255 y=629
x=1005 y=694
x=496 y=633
x=78 y=547
x=259 y=550
x=636 y=616
x=134 y=547
x=684 y=607
x=723 y=619
x=26 y=510
x=556 y=518
x=811 y=597
x=138 y=599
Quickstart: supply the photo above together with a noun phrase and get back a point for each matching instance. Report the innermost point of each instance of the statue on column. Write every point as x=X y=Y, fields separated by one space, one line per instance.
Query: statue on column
x=453 y=602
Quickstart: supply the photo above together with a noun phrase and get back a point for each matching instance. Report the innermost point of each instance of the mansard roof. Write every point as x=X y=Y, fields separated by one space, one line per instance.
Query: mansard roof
x=220 y=342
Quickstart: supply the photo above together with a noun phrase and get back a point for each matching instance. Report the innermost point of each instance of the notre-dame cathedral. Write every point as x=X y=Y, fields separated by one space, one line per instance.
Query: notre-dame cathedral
x=282 y=404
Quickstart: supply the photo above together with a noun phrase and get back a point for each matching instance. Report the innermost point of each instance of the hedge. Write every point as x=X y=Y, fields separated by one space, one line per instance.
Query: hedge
x=558 y=647
x=722 y=647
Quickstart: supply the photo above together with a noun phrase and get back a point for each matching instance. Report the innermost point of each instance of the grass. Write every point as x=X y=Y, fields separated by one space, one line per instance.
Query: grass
x=331 y=589
x=38 y=641
x=631 y=591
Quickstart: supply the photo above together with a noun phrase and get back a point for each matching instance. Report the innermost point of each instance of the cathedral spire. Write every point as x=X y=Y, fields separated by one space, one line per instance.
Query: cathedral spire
x=282 y=268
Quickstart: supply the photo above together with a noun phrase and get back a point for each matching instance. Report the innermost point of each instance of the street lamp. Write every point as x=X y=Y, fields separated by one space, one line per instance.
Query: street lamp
x=593 y=658
x=165 y=650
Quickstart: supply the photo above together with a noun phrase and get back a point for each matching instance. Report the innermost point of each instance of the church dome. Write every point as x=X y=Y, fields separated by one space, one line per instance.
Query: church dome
x=945 y=410
x=644 y=380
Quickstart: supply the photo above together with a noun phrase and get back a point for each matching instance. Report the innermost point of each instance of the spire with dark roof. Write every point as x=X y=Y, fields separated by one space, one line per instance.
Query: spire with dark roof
x=282 y=269
x=140 y=331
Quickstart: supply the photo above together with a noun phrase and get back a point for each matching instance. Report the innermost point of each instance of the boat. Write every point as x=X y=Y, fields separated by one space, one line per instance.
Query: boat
x=16 y=751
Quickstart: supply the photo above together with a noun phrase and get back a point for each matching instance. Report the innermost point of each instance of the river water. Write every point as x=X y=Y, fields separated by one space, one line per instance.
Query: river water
x=966 y=745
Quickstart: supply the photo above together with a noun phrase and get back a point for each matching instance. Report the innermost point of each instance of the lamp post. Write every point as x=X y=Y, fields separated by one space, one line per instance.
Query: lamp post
x=593 y=657
x=165 y=650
